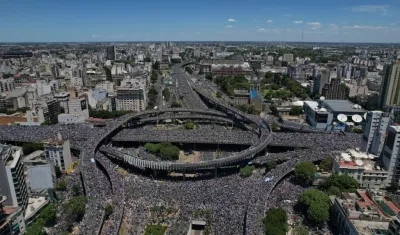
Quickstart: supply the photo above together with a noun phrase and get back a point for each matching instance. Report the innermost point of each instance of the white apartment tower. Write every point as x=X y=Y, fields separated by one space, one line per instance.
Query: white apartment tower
x=391 y=153
x=58 y=152
x=374 y=132
x=12 y=183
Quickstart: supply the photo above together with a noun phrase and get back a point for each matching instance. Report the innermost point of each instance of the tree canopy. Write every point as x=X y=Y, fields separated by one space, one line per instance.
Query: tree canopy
x=295 y=111
x=29 y=148
x=300 y=230
x=229 y=84
x=61 y=186
x=75 y=208
x=189 y=125
x=315 y=204
x=105 y=114
x=152 y=95
x=305 y=172
x=155 y=229
x=275 y=222
x=344 y=182
x=166 y=151
x=108 y=210
x=166 y=93
x=270 y=165
x=154 y=76
x=326 y=164
x=246 y=171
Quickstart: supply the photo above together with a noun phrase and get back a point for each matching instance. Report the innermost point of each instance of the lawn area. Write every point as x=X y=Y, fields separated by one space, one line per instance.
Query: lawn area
x=155 y=229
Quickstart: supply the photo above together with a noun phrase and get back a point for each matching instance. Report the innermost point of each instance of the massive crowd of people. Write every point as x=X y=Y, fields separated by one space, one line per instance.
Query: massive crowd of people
x=229 y=205
x=186 y=136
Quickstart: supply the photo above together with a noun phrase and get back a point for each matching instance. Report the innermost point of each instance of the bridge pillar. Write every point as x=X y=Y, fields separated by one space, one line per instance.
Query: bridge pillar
x=155 y=174
x=216 y=172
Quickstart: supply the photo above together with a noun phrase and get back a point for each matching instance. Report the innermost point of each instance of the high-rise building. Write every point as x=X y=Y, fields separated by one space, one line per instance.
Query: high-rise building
x=5 y=225
x=58 y=151
x=334 y=90
x=12 y=183
x=131 y=95
x=320 y=77
x=111 y=53
x=390 y=88
x=374 y=132
x=391 y=154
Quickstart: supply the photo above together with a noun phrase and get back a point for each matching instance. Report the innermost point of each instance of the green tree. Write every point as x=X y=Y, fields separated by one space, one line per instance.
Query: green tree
x=270 y=165
x=166 y=93
x=189 y=125
x=305 y=172
x=61 y=186
x=344 y=182
x=275 y=222
x=274 y=127
x=108 y=210
x=295 y=111
x=315 y=205
x=76 y=190
x=209 y=76
x=300 y=230
x=219 y=94
x=326 y=164
x=154 y=76
x=156 y=65
x=333 y=190
x=36 y=228
x=108 y=73
x=29 y=148
x=75 y=208
x=246 y=171
x=49 y=215
x=155 y=229
x=189 y=70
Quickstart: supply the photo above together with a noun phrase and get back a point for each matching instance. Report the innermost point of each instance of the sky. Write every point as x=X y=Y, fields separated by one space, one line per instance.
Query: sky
x=204 y=20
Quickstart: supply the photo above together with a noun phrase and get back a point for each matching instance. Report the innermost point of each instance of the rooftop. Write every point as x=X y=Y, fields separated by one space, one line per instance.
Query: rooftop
x=34 y=206
x=343 y=106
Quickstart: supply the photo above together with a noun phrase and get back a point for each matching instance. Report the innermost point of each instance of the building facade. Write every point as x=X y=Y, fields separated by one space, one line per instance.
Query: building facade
x=374 y=132
x=390 y=153
x=390 y=88
x=111 y=53
x=131 y=95
x=12 y=183
x=58 y=152
x=334 y=90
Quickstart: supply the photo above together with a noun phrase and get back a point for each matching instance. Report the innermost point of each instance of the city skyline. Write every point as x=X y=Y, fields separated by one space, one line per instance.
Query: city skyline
x=253 y=20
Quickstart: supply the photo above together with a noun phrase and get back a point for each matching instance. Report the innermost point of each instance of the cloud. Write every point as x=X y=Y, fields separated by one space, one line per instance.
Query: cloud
x=183 y=33
x=363 y=27
x=270 y=21
x=297 y=22
x=333 y=26
x=371 y=9
x=228 y=26
x=231 y=20
x=94 y=35
x=315 y=25
x=261 y=30
x=393 y=24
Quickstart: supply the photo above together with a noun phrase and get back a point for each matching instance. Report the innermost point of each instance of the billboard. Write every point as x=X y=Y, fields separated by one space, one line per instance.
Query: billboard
x=83 y=105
